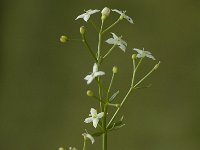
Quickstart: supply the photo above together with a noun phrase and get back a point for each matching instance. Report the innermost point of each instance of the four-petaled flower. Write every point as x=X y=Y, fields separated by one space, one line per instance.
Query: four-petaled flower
x=123 y=15
x=87 y=14
x=143 y=53
x=94 y=117
x=117 y=41
x=94 y=74
x=89 y=136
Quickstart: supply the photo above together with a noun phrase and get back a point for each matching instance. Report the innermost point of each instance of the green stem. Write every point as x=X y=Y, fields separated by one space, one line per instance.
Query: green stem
x=116 y=22
x=88 y=47
x=131 y=89
x=104 y=143
x=84 y=144
x=111 y=81
x=94 y=25
x=109 y=51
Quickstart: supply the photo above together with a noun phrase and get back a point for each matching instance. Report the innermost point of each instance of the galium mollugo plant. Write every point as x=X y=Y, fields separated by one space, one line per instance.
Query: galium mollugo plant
x=100 y=122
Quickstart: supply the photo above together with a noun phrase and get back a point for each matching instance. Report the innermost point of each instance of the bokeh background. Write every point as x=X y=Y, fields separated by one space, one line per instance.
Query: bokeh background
x=42 y=92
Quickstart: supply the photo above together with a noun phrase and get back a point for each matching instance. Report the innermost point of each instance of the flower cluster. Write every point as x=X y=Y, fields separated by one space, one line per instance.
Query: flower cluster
x=104 y=98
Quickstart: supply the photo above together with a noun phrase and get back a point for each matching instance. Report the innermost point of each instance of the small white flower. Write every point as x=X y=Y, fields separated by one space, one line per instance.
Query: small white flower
x=87 y=14
x=117 y=41
x=143 y=53
x=94 y=74
x=122 y=13
x=88 y=136
x=106 y=11
x=73 y=148
x=94 y=117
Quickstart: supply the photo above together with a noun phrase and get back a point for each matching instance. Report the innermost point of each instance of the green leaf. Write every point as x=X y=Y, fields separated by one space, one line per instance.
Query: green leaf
x=117 y=124
x=113 y=96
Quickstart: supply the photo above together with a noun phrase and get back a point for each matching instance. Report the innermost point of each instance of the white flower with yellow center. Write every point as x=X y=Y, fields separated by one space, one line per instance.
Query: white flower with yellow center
x=123 y=15
x=117 y=41
x=142 y=53
x=94 y=117
x=94 y=74
x=87 y=14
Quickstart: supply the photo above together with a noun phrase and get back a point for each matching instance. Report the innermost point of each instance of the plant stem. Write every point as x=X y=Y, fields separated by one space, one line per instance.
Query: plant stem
x=109 y=51
x=88 y=47
x=130 y=90
x=116 y=22
x=84 y=144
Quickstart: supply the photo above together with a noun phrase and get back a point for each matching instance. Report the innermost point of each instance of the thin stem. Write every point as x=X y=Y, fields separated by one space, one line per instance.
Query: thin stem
x=88 y=47
x=84 y=143
x=94 y=25
x=128 y=93
x=109 y=51
x=111 y=81
x=116 y=22
x=99 y=43
x=104 y=127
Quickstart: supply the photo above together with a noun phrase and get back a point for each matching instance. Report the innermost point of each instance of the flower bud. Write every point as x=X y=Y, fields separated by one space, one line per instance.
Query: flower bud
x=121 y=17
x=105 y=12
x=118 y=105
x=61 y=148
x=115 y=69
x=156 y=66
x=82 y=30
x=64 y=39
x=134 y=56
x=90 y=93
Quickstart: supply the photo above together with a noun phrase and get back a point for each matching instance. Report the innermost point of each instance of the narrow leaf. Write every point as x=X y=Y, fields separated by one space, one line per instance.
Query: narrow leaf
x=113 y=96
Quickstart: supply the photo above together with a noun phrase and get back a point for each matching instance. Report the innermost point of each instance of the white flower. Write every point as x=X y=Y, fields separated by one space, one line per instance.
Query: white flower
x=94 y=117
x=87 y=14
x=72 y=148
x=122 y=13
x=88 y=136
x=143 y=53
x=94 y=74
x=117 y=41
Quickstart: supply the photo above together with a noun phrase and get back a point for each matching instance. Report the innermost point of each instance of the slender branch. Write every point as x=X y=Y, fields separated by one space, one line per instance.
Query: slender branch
x=111 y=81
x=94 y=25
x=130 y=90
x=84 y=143
x=88 y=47
x=109 y=51
x=116 y=22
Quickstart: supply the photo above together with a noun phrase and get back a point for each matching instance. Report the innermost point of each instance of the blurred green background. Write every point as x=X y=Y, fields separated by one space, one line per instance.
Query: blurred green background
x=42 y=92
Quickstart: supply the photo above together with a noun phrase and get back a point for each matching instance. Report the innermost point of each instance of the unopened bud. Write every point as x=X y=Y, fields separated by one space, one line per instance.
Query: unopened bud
x=82 y=30
x=105 y=12
x=134 y=56
x=118 y=105
x=61 y=148
x=90 y=93
x=156 y=66
x=64 y=39
x=115 y=69
x=121 y=17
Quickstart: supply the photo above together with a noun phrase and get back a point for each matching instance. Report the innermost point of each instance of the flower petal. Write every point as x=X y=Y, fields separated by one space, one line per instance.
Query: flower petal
x=90 y=80
x=95 y=122
x=92 y=11
x=88 y=120
x=100 y=115
x=111 y=41
x=114 y=36
x=129 y=19
x=93 y=112
x=86 y=17
x=138 y=50
x=95 y=68
x=150 y=56
x=117 y=11
x=87 y=77
x=99 y=73
x=81 y=16
x=122 y=47
x=88 y=136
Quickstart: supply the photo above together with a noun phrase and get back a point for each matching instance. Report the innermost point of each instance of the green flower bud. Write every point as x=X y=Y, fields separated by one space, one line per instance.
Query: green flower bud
x=134 y=56
x=103 y=17
x=64 y=39
x=90 y=93
x=156 y=66
x=121 y=17
x=115 y=69
x=61 y=148
x=82 y=30
x=105 y=12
